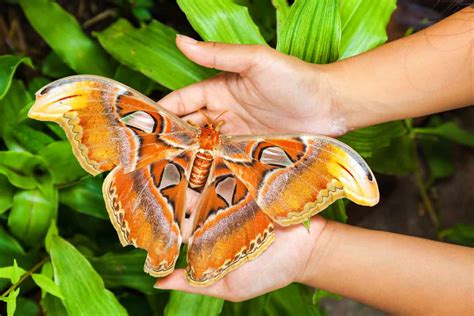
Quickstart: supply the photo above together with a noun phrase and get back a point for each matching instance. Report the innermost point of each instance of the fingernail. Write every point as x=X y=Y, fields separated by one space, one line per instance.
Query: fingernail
x=157 y=286
x=186 y=39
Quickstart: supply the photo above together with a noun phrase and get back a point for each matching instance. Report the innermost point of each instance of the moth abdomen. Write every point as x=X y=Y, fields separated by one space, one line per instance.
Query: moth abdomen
x=200 y=170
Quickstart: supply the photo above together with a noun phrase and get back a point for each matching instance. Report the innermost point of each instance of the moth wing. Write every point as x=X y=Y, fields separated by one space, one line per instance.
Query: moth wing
x=295 y=176
x=230 y=229
x=146 y=207
x=109 y=123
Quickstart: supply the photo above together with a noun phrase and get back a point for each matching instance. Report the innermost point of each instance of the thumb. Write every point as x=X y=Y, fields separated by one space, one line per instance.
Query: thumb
x=228 y=57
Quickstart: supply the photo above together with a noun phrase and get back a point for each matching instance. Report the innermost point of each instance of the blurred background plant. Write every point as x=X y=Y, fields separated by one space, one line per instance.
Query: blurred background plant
x=58 y=252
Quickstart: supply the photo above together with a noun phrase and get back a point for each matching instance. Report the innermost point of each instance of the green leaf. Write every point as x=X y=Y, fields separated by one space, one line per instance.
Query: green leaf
x=81 y=286
x=50 y=234
x=13 y=272
x=54 y=67
x=336 y=211
x=25 y=171
x=47 y=285
x=53 y=306
x=312 y=31
x=6 y=194
x=26 y=307
x=8 y=65
x=33 y=86
x=9 y=248
x=291 y=300
x=263 y=13
x=26 y=138
x=367 y=140
x=11 y=301
x=320 y=294
x=62 y=163
x=86 y=198
x=450 y=131
x=67 y=38
x=151 y=50
x=124 y=269
x=282 y=11
x=30 y=216
x=16 y=98
x=439 y=157
x=181 y=303
x=461 y=234
x=134 y=79
x=221 y=21
x=397 y=159
x=364 y=25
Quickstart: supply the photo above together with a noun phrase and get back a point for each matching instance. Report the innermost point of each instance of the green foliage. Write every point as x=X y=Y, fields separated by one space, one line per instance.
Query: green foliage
x=235 y=26
x=67 y=38
x=89 y=273
x=151 y=50
x=79 y=283
x=8 y=65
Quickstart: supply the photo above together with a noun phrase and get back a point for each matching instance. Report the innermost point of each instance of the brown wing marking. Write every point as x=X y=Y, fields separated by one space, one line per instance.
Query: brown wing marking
x=230 y=230
x=146 y=207
x=293 y=177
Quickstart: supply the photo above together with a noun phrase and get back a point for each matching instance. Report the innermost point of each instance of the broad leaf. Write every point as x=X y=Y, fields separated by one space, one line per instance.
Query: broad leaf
x=450 y=131
x=8 y=65
x=61 y=162
x=86 y=198
x=181 y=303
x=439 y=156
x=82 y=288
x=30 y=216
x=367 y=140
x=16 y=98
x=26 y=138
x=397 y=159
x=336 y=211
x=124 y=269
x=54 y=67
x=282 y=11
x=134 y=79
x=364 y=25
x=312 y=31
x=25 y=171
x=6 y=194
x=221 y=21
x=47 y=284
x=65 y=36
x=461 y=234
x=152 y=51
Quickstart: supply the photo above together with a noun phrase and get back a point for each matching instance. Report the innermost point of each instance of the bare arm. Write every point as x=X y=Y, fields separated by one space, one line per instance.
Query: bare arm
x=395 y=273
x=428 y=72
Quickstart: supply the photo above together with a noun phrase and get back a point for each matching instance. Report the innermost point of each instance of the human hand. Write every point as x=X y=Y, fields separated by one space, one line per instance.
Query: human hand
x=284 y=262
x=263 y=91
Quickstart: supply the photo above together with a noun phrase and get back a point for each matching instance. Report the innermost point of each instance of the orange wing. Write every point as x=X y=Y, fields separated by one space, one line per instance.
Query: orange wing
x=109 y=123
x=293 y=177
x=230 y=229
x=111 y=126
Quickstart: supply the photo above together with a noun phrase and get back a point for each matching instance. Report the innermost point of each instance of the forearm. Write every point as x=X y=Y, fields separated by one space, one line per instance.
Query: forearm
x=427 y=72
x=393 y=272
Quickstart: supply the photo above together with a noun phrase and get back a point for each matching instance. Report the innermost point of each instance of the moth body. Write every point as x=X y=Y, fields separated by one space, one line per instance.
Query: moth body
x=208 y=138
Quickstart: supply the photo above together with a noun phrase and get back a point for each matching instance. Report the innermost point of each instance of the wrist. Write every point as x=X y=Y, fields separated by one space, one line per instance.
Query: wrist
x=334 y=101
x=320 y=232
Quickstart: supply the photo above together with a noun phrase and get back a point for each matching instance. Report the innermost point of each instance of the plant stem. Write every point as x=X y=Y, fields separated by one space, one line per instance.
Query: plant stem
x=425 y=196
x=25 y=276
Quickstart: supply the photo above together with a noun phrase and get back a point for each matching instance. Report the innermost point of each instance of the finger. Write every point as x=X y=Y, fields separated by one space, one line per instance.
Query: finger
x=177 y=281
x=227 y=57
x=185 y=100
